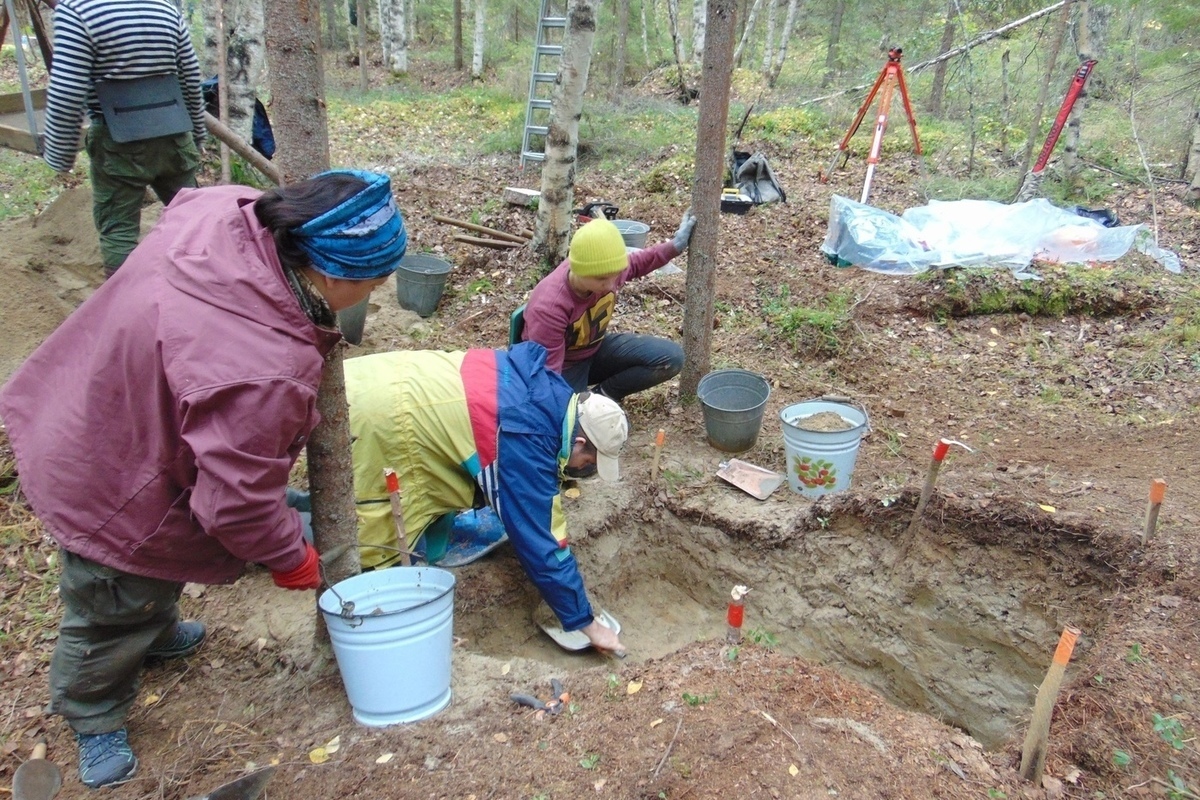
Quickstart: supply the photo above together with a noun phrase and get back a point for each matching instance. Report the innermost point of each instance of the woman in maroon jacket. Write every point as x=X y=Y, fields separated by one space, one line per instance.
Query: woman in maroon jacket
x=154 y=430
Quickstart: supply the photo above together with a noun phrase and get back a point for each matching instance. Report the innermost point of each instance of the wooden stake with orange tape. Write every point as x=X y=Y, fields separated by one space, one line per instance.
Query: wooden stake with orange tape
x=1158 y=490
x=393 y=490
x=659 y=438
x=1033 y=752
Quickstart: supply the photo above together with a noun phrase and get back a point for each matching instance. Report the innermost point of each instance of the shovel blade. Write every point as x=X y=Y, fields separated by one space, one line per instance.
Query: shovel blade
x=36 y=780
x=247 y=787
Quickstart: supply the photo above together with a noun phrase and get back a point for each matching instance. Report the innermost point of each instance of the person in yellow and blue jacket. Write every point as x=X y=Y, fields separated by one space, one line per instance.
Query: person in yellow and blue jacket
x=481 y=427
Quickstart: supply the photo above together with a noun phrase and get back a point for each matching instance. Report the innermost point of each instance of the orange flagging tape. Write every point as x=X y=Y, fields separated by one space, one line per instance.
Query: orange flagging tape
x=660 y=437
x=1158 y=490
x=1066 y=645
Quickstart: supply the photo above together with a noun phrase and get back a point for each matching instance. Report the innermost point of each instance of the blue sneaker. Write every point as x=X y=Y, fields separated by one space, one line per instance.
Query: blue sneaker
x=105 y=758
x=186 y=638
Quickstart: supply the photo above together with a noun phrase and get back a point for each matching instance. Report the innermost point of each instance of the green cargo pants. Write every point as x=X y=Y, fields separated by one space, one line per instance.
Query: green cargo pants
x=120 y=174
x=112 y=620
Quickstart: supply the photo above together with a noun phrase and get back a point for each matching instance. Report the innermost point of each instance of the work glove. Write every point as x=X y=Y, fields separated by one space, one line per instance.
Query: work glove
x=684 y=234
x=305 y=576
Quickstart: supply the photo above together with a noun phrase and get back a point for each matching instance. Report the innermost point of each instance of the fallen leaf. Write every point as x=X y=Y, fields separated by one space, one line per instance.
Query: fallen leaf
x=500 y=737
x=318 y=755
x=598 y=785
x=505 y=669
x=572 y=493
x=634 y=687
x=793 y=770
x=1046 y=508
x=221 y=726
x=385 y=758
x=333 y=744
x=151 y=699
x=656 y=723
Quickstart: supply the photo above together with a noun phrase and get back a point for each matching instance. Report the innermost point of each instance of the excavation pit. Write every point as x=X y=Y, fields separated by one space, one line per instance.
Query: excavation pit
x=960 y=623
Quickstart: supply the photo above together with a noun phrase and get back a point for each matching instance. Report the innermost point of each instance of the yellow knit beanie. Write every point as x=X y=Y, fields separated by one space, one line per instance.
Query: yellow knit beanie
x=597 y=249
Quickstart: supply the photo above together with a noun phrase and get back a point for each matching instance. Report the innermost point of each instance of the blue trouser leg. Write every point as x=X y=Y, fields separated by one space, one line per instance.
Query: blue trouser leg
x=627 y=363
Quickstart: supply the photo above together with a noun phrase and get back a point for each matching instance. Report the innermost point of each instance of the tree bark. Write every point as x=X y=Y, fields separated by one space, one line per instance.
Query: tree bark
x=480 y=29
x=784 y=38
x=1191 y=170
x=700 y=288
x=393 y=36
x=552 y=238
x=699 y=22
x=1035 y=124
x=361 y=9
x=769 y=39
x=622 y=54
x=937 y=90
x=835 y=38
x=1083 y=49
x=245 y=57
x=458 y=35
x=749 y=29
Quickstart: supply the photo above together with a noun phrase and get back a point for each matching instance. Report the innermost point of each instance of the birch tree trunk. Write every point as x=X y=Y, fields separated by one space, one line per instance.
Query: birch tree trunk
x=645 y=31
x=622 y=54
x=784 y=38
x=676 y=33
x=361 y=12
x=835 y=39
x=245 y=57
x=480 y=28
x=1191 y=169
x=751 y=18
x=699 y=23
x=393 y=36
x=553 y=235
x=1083 y=49
x=701 y=283
x=937 y=89
x=769 y=40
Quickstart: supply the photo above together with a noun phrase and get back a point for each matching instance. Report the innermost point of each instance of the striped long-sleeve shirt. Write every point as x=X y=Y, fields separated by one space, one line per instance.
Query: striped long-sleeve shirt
x=97 y=40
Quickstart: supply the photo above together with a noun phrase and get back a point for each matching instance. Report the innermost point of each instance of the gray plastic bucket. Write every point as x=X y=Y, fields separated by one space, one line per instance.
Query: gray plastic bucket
x=352 y=320
x=393 y=645
x=633 y=232
x=733 y=401
x=420 y=281
x=821 y=462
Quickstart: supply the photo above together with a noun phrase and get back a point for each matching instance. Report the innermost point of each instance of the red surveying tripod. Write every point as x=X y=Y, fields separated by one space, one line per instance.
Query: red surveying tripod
x=890 y=78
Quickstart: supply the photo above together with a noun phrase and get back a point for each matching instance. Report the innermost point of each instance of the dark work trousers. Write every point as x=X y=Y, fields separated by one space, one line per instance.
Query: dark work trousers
x=121 y=171
x=112 y=620
x=626 y=363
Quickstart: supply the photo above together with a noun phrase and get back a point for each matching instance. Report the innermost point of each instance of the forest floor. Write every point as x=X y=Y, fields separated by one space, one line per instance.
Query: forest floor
x=873 y=664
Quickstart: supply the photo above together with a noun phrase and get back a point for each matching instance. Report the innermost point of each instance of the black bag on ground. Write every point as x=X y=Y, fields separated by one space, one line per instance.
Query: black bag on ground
x=753 y=177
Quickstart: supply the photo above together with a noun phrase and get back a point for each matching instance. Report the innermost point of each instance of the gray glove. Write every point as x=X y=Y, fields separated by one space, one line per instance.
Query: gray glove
x=684 y=234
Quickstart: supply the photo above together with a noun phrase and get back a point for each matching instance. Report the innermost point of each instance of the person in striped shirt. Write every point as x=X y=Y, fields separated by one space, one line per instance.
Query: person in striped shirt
x=121 y=40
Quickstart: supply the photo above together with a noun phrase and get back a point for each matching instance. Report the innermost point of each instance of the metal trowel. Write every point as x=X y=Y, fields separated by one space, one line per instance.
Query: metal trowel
x=37 y=778
x=545 y=619
x=247 y=787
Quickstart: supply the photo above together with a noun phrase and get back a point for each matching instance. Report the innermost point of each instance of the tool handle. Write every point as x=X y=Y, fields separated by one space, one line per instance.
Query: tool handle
x=528 y=700
x=39 y=751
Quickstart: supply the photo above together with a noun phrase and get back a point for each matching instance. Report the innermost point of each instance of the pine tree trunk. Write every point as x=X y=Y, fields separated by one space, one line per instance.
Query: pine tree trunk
x=700 y=288
x=1035 y=123
x=480 y=29
x=332 y=34
x=1191 y=169
x=835 y=38
x=553 y=235
x=937 y=91
x=297 y=88
x=361 y=13
x=749 y=29
x=458 y=35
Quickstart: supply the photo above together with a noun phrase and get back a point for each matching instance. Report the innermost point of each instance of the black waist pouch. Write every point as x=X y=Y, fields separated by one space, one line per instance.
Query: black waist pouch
x=143 y=108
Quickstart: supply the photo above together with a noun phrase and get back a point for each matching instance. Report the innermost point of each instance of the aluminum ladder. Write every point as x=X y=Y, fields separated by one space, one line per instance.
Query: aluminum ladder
x=551 y=33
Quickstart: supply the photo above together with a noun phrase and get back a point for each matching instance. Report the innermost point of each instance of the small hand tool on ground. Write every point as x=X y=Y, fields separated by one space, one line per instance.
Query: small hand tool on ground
x=37 y=778
x=553 y=706
x=247 y=787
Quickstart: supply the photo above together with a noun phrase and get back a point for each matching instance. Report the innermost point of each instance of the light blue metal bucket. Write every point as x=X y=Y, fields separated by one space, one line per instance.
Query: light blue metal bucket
x=821 y=462
x=392 y=632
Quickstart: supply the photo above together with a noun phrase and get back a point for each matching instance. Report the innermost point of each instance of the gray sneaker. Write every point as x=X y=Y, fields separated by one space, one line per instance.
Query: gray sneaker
x=185 y=639
x=105 y=759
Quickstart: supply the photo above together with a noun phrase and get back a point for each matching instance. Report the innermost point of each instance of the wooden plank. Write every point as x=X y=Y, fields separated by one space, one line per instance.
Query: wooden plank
x=15 y=102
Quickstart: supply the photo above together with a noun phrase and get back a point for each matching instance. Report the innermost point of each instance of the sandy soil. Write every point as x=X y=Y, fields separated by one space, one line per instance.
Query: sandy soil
x=875 y=663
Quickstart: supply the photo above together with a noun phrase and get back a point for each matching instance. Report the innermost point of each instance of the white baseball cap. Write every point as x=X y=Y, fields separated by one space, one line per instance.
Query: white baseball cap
x=606 y=427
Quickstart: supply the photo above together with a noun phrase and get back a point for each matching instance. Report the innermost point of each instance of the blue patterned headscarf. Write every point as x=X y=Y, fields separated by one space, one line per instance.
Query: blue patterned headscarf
x=361 y=238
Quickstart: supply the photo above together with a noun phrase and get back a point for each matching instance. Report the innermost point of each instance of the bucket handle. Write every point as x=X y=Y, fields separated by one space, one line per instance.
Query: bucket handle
x=347 y=606
x=843 y=399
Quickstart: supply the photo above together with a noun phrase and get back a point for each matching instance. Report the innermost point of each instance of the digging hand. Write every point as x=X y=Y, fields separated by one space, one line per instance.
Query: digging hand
x=684 y=234
x=604 y=638
x=305 y=576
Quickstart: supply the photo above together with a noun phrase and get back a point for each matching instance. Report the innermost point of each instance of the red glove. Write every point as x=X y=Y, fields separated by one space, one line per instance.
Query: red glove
x=305 y=576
